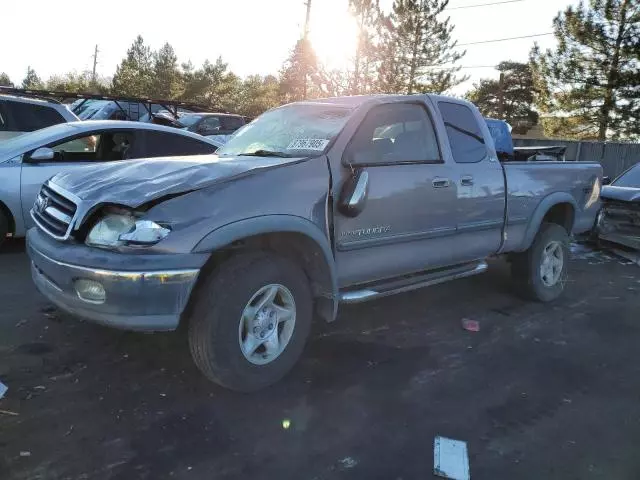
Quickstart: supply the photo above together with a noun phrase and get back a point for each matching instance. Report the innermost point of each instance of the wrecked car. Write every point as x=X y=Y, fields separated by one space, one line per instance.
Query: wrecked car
x=619 y=220
x=312 y=205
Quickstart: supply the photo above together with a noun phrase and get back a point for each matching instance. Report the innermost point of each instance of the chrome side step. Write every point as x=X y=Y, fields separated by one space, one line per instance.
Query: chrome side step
x=413 y=283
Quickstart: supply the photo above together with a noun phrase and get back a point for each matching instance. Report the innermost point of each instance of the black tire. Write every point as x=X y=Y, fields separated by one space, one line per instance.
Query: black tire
x=4 y=227
x=525 y=267
x=214 y=320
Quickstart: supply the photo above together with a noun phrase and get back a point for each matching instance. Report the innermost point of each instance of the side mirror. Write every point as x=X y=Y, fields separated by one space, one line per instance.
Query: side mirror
x=606 y=180
x=353 y=196
x=42 y=154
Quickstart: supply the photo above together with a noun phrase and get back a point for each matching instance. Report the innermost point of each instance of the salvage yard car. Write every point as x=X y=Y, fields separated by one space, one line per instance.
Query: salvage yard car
x=313 y=204
x=30 y=159
x=619 y=220
x=20 y=115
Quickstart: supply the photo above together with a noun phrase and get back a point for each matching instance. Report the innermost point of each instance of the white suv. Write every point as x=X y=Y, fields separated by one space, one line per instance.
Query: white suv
x=25 y=114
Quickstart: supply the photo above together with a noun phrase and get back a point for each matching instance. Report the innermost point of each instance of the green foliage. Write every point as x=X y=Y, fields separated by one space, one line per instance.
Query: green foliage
x=134 y=75
x=512 y=101
x=416 y=41
x=167 y=81
x=257 y=95
x=212 y=85
x=300 y=77
x=76 y=82
x=367 y=59
x=32 y=80
x=588 y=85
x=5 y=81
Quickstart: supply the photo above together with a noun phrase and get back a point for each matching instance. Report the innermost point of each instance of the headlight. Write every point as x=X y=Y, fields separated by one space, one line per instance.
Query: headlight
x=123 y=228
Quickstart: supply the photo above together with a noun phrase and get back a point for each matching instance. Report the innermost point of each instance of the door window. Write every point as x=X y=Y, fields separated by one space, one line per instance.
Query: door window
x=103 y=147
x=395 y=133
x=465 y=137
x=28 y=117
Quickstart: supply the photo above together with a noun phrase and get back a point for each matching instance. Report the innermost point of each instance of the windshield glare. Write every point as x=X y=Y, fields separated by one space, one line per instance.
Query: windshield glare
x=630 y=178
x=294 y=130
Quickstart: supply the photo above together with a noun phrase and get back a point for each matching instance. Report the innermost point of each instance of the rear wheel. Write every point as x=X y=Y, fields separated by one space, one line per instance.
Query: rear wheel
x=540 y=273
x=250 y=321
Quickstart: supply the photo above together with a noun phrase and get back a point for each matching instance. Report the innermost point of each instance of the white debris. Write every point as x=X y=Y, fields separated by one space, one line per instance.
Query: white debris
x=348 y=462
x=3 y=389
x=25 y=454
x=450 y=459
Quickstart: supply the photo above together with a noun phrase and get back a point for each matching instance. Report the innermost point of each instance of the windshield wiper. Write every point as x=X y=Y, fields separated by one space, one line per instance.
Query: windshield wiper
x=265 y=153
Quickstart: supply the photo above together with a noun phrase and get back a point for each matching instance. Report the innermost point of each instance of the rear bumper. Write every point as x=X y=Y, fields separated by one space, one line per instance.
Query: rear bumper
x=142 y=292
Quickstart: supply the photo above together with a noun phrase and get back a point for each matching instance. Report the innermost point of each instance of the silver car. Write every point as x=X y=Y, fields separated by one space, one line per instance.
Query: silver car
x=28 y=160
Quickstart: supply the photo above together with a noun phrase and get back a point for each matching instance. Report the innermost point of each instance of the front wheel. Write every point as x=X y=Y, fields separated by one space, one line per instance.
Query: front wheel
x=250 y=321
x=540 y=273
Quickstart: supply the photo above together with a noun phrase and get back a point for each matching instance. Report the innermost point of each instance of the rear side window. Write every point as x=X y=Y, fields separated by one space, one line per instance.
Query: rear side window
x=465 y=137
x=163 y=144
x=28 y=117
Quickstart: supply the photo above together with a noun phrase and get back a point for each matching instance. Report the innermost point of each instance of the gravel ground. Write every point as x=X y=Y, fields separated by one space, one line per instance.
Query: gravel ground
x=540 y=392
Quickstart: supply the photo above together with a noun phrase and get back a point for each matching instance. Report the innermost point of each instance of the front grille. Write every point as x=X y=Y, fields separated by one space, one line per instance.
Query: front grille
x=54 y=210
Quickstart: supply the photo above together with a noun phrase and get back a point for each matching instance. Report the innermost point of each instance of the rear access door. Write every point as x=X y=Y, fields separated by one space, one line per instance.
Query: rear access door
x=480 y=191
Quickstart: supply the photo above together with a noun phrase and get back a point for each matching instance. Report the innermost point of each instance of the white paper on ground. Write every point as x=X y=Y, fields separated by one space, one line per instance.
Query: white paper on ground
x=3 y=389
x=450 y=459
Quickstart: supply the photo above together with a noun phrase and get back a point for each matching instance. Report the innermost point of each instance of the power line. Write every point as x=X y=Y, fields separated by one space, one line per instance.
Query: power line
x=483 y=5
x=504 y=39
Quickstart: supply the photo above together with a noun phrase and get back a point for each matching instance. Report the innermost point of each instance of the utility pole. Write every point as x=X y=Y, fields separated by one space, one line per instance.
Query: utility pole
x=95 y=64
x=305 y=45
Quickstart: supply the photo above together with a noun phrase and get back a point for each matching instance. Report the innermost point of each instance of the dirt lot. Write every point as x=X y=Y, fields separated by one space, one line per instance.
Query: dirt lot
x=541 y=392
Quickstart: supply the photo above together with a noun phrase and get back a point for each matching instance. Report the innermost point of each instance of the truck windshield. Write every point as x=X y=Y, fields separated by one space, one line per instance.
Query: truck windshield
x=292 y=130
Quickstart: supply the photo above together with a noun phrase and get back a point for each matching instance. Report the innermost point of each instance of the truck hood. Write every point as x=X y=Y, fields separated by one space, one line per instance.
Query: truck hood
x=621 y=194
x=136 y=182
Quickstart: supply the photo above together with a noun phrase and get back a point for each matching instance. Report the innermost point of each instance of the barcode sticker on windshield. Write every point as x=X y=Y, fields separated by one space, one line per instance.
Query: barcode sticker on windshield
x=318 y=144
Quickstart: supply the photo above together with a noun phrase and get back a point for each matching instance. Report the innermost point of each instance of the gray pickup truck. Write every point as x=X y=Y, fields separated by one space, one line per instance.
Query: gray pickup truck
x=312 y=204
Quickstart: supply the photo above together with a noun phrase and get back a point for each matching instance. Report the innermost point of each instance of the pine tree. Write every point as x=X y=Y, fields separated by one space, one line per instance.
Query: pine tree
x=32 y=80
x=300 y=76
x=5 y=81
x=167 y=79
x=212 y=85
x=416 y=42
x=369 y=18
x=134 y=75
x=589 y=84
x=510 y=99
x=258 y=94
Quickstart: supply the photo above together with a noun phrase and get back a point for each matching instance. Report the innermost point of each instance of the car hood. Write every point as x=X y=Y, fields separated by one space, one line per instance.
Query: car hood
x=136 y=182
x=621 y=194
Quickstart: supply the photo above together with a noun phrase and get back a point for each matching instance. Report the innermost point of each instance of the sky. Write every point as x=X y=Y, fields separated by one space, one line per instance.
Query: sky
x=253 y=36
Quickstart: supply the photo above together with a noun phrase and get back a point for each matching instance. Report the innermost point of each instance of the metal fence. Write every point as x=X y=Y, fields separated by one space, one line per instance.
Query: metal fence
x=614 y=157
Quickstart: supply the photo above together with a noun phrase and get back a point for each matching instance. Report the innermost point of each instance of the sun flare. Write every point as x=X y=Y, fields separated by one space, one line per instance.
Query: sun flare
x=334 y=36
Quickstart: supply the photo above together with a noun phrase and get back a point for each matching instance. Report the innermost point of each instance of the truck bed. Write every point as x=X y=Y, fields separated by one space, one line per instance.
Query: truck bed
x=531 y=185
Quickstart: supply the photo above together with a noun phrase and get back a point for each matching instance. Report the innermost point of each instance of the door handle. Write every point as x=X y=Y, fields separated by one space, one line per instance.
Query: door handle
x=466 y=181
x=440 y=182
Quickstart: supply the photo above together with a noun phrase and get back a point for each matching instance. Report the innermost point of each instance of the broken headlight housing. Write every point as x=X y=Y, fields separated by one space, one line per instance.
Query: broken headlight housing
x=119 y=227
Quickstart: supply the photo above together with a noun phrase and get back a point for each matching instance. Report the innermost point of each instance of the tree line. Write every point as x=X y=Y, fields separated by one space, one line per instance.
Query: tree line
x=585 y=88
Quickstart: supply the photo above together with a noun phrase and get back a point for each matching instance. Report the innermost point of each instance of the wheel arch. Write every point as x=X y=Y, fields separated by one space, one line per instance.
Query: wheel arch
x=291 y=236
x=559 y=208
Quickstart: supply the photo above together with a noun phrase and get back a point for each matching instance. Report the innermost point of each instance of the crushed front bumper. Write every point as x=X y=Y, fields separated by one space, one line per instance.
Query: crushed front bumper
x=142 y=292
x=619 y=222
